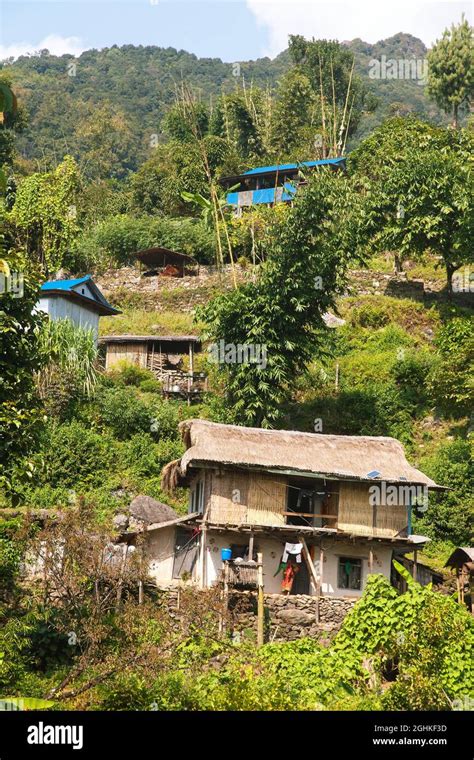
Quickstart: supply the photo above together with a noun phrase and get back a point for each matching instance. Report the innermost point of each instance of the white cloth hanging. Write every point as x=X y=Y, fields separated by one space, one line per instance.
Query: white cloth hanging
x=293 y=549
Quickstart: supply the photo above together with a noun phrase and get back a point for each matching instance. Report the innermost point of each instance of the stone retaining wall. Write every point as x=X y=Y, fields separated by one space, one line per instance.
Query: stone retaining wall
x=286 y=617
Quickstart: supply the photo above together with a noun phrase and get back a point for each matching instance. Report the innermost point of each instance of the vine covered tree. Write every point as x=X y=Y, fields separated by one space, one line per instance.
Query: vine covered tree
x=45 y=214
x=20 y=410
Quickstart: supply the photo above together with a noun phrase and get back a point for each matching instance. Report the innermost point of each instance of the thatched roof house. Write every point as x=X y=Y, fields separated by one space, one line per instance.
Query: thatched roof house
x=342 y=504
x=359 y=458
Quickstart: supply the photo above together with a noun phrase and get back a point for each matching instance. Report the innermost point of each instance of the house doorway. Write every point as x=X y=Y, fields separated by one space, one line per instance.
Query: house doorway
x=301 y=583
x=185 y=553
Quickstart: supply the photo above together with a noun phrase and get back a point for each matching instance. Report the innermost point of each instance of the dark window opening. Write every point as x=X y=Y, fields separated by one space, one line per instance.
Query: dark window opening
x=349 y=573
x=196 y=497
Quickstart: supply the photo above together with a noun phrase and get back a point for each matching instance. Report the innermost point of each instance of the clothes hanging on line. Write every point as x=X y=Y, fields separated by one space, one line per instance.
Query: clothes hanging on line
x=288 y=577
x=294 y=550
x=304 y=493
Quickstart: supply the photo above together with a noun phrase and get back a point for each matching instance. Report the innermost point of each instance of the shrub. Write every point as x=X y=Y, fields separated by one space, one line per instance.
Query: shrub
x=128 y=373
x=75 y=456
x=450 y=380
x=165 y=419
x=427 y=636
x=450 y=514
x=124 y=412
x=146 y=458
x=150 y=385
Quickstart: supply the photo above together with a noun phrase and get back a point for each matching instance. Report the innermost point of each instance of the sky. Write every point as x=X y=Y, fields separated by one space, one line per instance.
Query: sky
x=234 y=30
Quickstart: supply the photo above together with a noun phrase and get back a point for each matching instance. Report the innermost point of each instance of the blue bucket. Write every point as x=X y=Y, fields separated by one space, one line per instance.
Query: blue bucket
x=226 y=554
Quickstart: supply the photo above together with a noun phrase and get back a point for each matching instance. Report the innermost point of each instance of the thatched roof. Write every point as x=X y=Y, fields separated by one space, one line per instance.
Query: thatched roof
x=146 y=510
x=338 y=456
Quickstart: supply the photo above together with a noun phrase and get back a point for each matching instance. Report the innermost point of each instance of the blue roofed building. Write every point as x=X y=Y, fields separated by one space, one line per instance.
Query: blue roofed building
x=79 y=300
x=271 y=184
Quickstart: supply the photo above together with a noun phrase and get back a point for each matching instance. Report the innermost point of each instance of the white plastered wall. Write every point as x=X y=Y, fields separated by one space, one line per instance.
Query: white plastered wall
x=161 y=543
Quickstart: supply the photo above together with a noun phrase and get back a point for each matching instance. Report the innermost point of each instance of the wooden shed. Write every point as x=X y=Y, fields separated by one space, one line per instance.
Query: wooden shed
x=159 y=260
x=169 y=357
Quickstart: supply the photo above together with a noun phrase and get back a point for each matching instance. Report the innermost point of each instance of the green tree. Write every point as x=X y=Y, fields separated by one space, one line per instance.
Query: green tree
x=242 y=119
x=451 y=380
x=295 y=118
x=425 y=204
x=418 y=180
x=451 y=513
x=329 y=66
x=281 y=314
x=451 y=69
x=12 y=120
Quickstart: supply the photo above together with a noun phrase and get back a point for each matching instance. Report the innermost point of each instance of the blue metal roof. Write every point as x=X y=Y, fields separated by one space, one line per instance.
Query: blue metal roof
x=65 y=284
x=286 y=167
x=69 y=289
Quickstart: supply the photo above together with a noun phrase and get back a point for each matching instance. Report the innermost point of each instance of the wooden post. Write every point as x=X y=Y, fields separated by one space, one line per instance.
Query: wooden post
x=191 y=358
x=458 y=585
x=120 y=582
x=315 y=579
x=371 y=560
x=415 y=564
x=225 y=598
x=260 y=600
x=251 y=547
x=202 y=558
x=140 y=592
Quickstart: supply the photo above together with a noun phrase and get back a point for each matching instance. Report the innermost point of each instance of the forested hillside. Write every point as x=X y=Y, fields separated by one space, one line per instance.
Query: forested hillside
x=115 y=99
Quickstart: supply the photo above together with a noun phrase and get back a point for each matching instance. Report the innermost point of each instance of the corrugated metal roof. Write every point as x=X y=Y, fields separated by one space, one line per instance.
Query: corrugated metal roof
x=65 y=284
x=289 y=167
x=68 y=289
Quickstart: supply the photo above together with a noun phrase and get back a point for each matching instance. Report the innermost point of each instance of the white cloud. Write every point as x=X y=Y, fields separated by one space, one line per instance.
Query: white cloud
x=371 y=20
x=56 y=45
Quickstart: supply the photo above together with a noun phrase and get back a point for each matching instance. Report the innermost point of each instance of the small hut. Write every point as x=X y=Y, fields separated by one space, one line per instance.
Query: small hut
x=159 y=260
x=462 y=561
x=78 y=300
x=164 y=355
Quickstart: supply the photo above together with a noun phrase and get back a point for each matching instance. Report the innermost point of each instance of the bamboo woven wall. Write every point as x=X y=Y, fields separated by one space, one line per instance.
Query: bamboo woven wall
x=253 y=498
x=390 y=520
x=358 y=516
x=266 y=499
x=135 y=353
x=355 y=511
x=229 y=492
